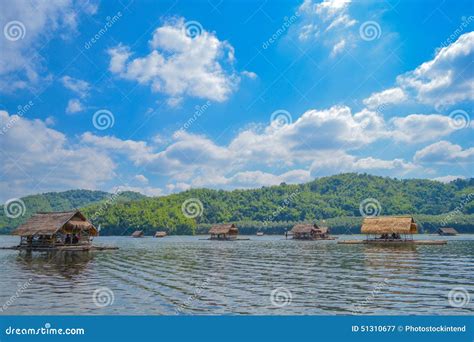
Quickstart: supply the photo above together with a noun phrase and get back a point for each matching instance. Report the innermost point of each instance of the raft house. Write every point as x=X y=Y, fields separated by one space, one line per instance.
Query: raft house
x=394 y=230
x=307 y=231
x=68 y=230
x=225 y=232
x=160 y=234
x=447 y=232
x=137 y=234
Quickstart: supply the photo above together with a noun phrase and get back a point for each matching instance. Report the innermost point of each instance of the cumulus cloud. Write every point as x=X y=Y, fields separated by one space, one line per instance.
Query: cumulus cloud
x=74 y=106
x=448 y=178
x=420 y=127
x=328 y=22
x=179 y=65
x=445 y=80
x=386 y=97
x=339 y=161
x=141 y=179
x=36 y=158
x=444 y=152
x=78 y=86
x=20 y=65
x=318 y=140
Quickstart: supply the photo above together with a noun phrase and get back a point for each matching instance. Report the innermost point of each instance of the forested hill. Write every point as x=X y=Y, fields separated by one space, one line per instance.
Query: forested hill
x=55 y=201
x=332 y=198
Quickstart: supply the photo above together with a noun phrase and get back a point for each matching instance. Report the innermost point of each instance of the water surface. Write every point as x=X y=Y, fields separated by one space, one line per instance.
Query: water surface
x=264 y=276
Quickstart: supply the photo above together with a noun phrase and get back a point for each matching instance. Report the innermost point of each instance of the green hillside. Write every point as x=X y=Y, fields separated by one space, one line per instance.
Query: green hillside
x=335 y=199
x=59 y=201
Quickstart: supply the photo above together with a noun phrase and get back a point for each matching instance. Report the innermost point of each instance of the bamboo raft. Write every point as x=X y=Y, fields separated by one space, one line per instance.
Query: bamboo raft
x=393 y=242
x=62 y=248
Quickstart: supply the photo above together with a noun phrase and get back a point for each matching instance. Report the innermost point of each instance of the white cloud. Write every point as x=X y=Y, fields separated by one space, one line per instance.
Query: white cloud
x=141 y=179
x=338 y=48
x=249 y=74
x=36 y=158
x=328 y=22
x=137 y=151
x=444 y=152
x=445 y=80
x=179 y=65
x=74 y=106
x=448 y=178
x=386 y=97
x=339 y=161
x=80 y=87
x=419 y=127
x=20 y=66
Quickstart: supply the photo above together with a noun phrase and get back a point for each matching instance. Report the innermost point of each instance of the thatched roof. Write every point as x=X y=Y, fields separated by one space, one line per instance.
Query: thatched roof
x=323 y=230
x=160 y=234
x=389 y=225
x=137 y=233
x=302 y=228
x=50 y=223
x=224 y=229
x=448 y=231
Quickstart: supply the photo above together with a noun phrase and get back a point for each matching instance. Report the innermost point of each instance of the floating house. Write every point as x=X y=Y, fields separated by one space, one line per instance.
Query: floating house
x=306 y=231
x=160 y=234
x=389 y=228
x=259 y=233
x=224 y=232
x=137 y=234
x=447 y=231
x=69 y=230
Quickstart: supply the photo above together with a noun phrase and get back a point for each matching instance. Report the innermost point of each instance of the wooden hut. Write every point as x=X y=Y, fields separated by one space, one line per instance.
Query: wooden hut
x=69 y=230
x=160 y=234
x=224 y=232
x=389 y=228
x=137 y=234
x=307 y=231
x=447 y=231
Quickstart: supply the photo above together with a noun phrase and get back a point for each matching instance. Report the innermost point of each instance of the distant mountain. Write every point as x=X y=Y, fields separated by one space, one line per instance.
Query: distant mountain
x=336 y=199
x=58 y=201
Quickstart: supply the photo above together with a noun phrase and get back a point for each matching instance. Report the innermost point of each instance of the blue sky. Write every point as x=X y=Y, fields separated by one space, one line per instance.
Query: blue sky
x=235 y=94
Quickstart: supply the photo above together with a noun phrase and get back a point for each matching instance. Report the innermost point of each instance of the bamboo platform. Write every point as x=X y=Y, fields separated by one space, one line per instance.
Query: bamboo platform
x=62 y=248
x=240 y=239
x=393 y=242
x=329 y=238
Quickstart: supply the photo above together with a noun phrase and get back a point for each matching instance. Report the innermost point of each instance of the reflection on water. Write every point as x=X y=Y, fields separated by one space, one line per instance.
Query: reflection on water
x=193 y=276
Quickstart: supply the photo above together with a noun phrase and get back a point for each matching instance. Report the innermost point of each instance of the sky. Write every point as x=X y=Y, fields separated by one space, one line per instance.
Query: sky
x=162 y=96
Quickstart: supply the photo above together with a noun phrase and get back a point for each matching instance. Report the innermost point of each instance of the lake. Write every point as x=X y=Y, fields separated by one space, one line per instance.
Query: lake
x=263 y=276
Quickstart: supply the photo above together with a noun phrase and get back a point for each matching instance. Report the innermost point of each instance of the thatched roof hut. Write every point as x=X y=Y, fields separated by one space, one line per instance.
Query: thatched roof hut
x=389 y=225
x=51 y=223
x=160 y=234
x=447 y=231
x=308 y=231
x=224 y=231
x=137 y=233
x=56 y=230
